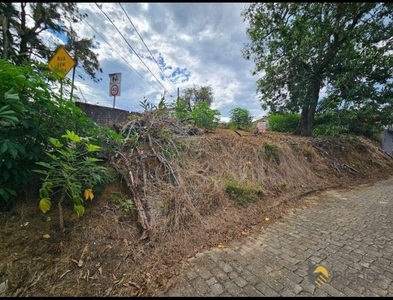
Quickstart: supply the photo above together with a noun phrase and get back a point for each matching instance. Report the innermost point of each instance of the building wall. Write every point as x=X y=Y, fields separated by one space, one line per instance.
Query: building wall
x=105 y=116
x=387 y=141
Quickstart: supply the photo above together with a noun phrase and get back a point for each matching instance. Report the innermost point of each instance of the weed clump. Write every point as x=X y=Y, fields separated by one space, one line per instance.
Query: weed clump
x=243 y=193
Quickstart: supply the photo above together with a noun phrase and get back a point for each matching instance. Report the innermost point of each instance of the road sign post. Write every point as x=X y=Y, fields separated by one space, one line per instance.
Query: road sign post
x=61 y=63
x=114 y=86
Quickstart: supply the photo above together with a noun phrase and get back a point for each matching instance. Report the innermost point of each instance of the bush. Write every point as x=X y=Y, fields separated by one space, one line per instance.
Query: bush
x=30 y=114
x=240 y=118
x=243 y=193
x=205 y=117
x=283 y=122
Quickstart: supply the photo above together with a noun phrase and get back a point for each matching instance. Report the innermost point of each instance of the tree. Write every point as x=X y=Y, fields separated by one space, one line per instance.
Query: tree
x=197 y=94
x=205 y=117
x=241 y=118
x=302 y=48
x=21 y=42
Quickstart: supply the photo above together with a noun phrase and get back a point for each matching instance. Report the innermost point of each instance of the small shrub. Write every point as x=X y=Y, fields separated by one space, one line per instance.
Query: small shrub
x=205 y=117
x=125 y=204
x=240 y=118
x=72 y=172
x=243 y=193
x=329 y=130
x=271 y=152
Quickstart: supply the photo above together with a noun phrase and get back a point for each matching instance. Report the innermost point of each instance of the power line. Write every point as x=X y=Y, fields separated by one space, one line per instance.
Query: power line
x=131 y=47
x=146 y=46
x=120 y=55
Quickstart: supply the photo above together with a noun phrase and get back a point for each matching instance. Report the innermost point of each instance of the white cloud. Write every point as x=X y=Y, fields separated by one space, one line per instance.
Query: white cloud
x=194 y=43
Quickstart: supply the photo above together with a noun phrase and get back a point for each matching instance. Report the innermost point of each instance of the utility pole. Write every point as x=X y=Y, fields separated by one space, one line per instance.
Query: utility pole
x=73 y=75
x=74 y=44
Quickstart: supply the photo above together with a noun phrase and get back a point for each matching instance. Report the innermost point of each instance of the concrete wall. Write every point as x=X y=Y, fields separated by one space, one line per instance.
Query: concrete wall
x=387 y=141
x=105 y=116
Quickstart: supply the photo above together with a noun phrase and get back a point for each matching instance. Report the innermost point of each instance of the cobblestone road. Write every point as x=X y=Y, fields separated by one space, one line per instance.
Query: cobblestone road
x=349 y=234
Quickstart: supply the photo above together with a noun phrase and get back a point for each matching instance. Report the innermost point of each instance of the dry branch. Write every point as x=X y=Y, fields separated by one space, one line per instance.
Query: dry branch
x=142 y=217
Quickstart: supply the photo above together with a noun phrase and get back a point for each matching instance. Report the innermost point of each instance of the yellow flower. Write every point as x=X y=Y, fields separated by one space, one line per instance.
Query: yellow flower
x=89 y=194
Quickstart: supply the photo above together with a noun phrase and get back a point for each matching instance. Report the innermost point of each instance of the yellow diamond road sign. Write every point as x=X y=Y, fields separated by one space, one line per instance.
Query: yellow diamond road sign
x=62 y=62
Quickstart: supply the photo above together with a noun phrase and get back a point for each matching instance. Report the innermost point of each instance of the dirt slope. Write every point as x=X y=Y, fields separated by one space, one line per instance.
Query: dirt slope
x=228 y=183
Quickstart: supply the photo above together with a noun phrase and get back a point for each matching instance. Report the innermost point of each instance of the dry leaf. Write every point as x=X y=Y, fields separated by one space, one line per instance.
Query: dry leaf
x=89 y=194
x=46 y=236
x=244 y=233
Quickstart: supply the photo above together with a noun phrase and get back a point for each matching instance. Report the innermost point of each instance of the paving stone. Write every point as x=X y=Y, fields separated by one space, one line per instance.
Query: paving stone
x=347 y=232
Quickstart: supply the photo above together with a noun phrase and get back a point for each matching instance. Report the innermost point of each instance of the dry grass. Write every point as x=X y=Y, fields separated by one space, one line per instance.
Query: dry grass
x=189 y=205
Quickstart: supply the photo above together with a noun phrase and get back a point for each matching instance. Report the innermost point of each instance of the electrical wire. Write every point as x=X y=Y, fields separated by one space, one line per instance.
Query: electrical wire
x=120 y=55
x=146 y=46
x=131 y=47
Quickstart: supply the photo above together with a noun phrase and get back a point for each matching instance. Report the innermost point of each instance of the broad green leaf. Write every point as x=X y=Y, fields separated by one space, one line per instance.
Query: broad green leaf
x=13 y=151
x=11 y=191
x=55 y=142
x=45 y=204
x=11 y=96
x=92 y=148
x=4 y=108
x=79 y=210
x=92 y=159
x=44 y=164
x=78 y=200
x=72 y=136
x=3 y=147
x=44 y=193
x=4 y=194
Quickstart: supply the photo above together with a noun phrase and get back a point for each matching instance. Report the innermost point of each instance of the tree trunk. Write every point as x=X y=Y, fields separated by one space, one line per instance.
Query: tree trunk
x=306 y=123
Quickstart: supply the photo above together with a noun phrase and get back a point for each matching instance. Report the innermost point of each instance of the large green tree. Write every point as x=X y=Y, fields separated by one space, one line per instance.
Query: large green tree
x=306 y=49
x=195 y=94
x=23 y=24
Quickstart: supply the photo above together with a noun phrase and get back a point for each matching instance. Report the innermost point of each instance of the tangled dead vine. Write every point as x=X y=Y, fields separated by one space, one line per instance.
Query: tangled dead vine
x=146 y=157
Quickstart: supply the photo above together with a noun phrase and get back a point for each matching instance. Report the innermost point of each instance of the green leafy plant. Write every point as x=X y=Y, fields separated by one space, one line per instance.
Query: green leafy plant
x=205 y=117
x=71 y=172
x=271 y=152
x=240 y=118
x=243 y=193
x=180 y=110
x=287 y=122
x=30 y=113
x=125 y=204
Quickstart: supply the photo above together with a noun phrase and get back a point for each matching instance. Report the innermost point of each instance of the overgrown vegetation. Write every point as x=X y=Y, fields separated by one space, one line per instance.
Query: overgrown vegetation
x=193 y=107
x=72 y=172
x=271 y=152
x=300 y=49
x=329 y=123
x=32 y=115
x=240 y=118
x=283 y=122
x=243 y=193
x=125 y=203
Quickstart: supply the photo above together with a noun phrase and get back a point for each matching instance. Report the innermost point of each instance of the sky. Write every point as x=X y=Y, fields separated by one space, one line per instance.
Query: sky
x=165 y=48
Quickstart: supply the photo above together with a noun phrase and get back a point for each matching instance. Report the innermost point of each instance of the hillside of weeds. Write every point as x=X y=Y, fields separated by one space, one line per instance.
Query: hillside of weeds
x=175 y=190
